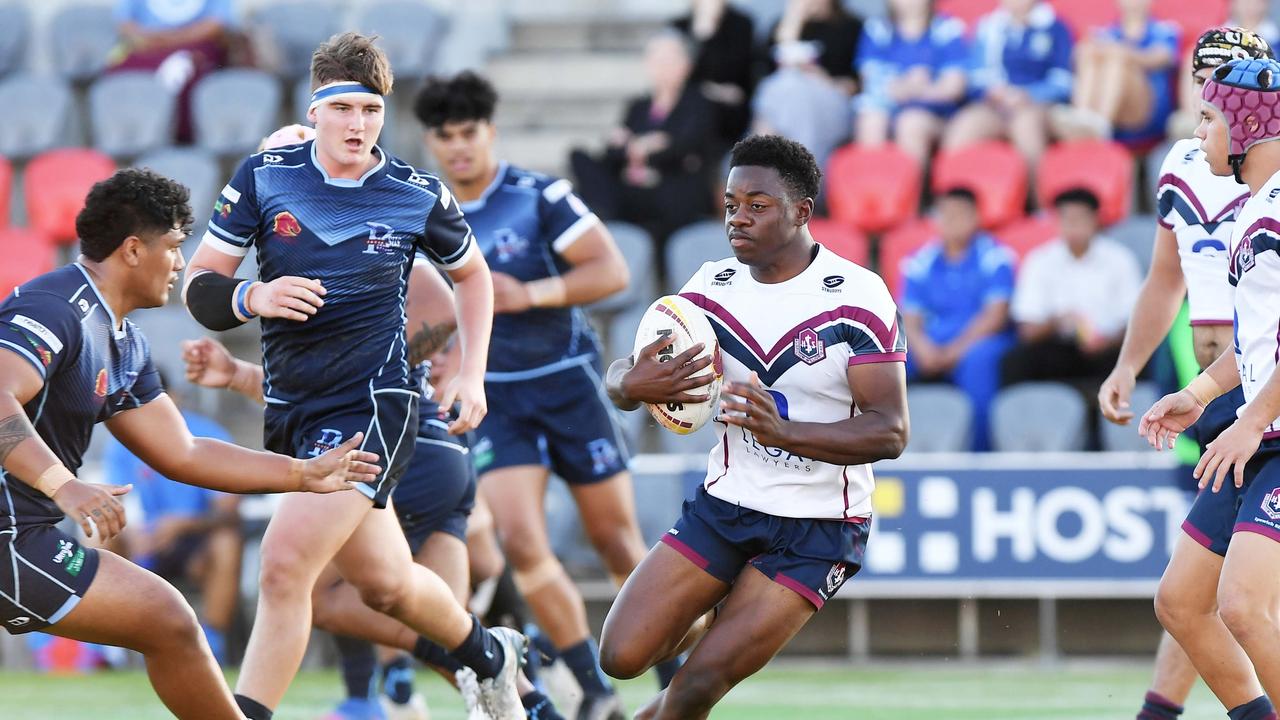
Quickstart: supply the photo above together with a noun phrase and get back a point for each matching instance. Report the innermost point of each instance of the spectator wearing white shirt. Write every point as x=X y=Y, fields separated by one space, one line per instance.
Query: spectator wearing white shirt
x=1072 y=300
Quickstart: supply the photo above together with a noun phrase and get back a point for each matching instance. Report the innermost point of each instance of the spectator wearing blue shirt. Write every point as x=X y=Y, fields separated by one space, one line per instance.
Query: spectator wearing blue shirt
x=955 y=307
x=186 y=532
x=913 y=66
x=1124 y=80
x=1021 y=66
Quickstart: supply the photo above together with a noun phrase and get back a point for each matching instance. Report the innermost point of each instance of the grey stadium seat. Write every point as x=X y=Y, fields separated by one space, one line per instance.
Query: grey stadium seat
x=1136 y=232
x=198 y=170
x=941 y=418
x=235 y=128
x=1151 y=166
x=130 y=113
x=38 y=111
x=1038 y=417
x=290 y=32
x=690 y=247
x=408 y=32
x=15 y=25
x=637 y=249
x=1125 y=438
x=82 y=37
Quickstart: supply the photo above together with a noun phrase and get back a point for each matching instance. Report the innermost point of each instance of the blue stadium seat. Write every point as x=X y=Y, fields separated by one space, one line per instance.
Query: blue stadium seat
x=409 y=32
x=198 y=170
x=690 y=247
x=233 y=110
x=290 y=32
x=15 y=25
x=1038 y=417
x=941 y=419
x=38 y=111
x=1125 y=438
x=82 y=37
x=1136 y=232
x=637 y=249
x=130 y=113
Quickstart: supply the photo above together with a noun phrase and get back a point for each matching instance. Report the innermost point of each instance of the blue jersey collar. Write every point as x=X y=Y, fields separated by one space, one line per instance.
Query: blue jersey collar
x=344 y=182
x=498 y=179
x=117 y=327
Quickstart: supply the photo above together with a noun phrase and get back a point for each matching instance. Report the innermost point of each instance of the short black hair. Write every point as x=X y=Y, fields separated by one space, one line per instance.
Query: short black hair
x=464 y=97
x=795 y=164
x=1077 y=196
x=133 y=201
x=960 y=193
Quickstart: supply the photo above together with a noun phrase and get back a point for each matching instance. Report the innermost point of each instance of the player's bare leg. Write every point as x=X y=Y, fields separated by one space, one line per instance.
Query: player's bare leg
x=482 y=543
x=1174 y=673
x=1249 y=603
x=608 y=512
x=132 y=608
x=1187 y=606
x=219 y=577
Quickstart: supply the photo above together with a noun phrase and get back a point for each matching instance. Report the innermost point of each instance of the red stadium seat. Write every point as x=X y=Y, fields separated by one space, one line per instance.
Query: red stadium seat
x=27 y=254
x=841 y=239
x=1104 y=168
x=970 y=11
x=6 y=188
x=1083 y=16
x=1028 y=233
x=897 y=245
x=56 y=183
x=872 y=189
x=1193 y=17
x=994 y=171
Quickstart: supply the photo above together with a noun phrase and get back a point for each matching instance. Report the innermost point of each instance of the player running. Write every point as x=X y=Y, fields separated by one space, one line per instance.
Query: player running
x=1215 y=606
x=549 y=255
x=70 y=358
x=806 y=335
x=1196 y=214
x=337 y=222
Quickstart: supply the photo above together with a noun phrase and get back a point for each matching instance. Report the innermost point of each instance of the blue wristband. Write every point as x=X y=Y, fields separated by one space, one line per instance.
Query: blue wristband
x=241 y=300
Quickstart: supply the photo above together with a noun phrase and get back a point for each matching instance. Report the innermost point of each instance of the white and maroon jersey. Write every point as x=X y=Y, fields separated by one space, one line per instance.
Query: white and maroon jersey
x=1200 y=208
x=1255 y=273
x=800 y=336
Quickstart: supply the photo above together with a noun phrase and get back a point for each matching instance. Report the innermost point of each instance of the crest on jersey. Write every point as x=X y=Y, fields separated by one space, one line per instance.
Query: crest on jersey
x=328 y=440
x=603 y=456
x=1244 y=257
x=835 y=577
x=1271 y=504
x=286 y=225
x=100 y=387
x=383 y=240
x=508 y=244
x=809 y=346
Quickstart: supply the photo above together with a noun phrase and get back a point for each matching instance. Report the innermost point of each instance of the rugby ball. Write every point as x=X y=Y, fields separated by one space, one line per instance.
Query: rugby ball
x=679 y=320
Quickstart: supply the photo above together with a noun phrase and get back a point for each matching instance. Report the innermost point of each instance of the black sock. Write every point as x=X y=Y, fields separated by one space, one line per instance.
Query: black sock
x=584 y=660
x=1257 y=709
x=481 y=651
x=1157 y=707
x=397 y=680
x=507 y=606
x=538 y=707
x=431 y=653
x=253 y=709
x=359 y=662
x=667 y=670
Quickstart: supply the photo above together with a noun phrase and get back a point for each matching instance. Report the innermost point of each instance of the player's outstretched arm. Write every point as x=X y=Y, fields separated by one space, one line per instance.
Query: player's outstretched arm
x=878 y=432
x=648 y=380
x=429 y=308
x=158 y=435
x=474 y=291
x=25 y=456
x=1153 y=314
x=211 y=365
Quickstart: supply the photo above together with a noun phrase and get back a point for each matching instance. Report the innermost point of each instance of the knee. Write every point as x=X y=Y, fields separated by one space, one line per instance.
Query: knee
x=696 y=688
x=1172 y=614
x=622 y=660
x=282 y=575
x=524 y=545
x=173 y=623
x=384 y=592
x=1244 y=615
x=618 y=543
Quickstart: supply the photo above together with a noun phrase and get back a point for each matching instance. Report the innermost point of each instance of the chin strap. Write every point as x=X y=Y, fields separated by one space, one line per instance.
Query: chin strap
x=1237 y=165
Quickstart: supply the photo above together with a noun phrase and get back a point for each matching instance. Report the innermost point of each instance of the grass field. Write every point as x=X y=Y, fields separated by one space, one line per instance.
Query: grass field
x=1079 y=691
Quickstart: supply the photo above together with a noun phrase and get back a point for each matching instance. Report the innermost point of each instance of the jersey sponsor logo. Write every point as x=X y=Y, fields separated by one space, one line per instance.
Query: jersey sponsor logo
x=835 y=577
x=723 y=277
x=831 y=282
x=383 y=240
x=604 y=456
x=83 y=305
x=482 y=454
x=66 y=549
x=328 y=440
x=19 y=621
x=418 y=179
x=1271 y=504
x=223 y=208
x=40 y=331
x=509 y=245
x=809 y=347
x=100 y=386
x=286 y=225
x=272 y=158
x=70 y=557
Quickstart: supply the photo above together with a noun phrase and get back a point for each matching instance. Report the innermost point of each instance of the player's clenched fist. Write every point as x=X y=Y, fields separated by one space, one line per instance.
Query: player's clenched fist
x=209 y=363
x=338 y=468
x=468 y=391
x=288 y=297
x=1114 y=395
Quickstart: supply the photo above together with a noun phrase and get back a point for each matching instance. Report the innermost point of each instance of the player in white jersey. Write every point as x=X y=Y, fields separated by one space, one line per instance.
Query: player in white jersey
x=816 y=391
x=1196 y=210
x=1240 y=114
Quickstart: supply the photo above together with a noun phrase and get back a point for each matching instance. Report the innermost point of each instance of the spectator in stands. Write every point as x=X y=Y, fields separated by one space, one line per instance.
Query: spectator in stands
x=955 y=307
x=180 y=41
x=655 y=171
x=1021 y=66
x=1124 y=80
x=811 y=76
x=1072 y=300
x=722 y=66
x=185 y=532
x=913 y=65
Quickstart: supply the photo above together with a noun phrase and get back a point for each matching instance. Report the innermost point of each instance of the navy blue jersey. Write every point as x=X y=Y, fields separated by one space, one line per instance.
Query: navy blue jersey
x=523 y=221
x=60 y=324
x=358 y=238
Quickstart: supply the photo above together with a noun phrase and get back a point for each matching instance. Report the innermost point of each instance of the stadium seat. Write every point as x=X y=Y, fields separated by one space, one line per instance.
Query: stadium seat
x=1027 y=234
x=1138 y=234
x=27 y=254
x=6 y=190
x=872 y=189
x=1125 y=438
x=15 y=25
x=690 y=247
x=620 y=336
x=197 y=169
x=969 y=11
x=290 y=32
x=637 y=249
x=38 y=110
x=941 y=418
x=235 y=128
x=843 y=240
x=1038 y=417
x=1104 y=168
x=408 y=31
x=1151 y=166
x=130 y=113
x=895 y=246
x=55 y=184
x=81 y=37
x=994 y=171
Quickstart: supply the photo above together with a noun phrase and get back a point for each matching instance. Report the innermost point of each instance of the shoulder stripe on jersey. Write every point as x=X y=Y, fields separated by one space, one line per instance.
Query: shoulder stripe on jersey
x=223 y=246
x=39 y=366
x=574 y=231
x=884 y=336
x=1182 y=198
x=557 y=190
x=229 y=237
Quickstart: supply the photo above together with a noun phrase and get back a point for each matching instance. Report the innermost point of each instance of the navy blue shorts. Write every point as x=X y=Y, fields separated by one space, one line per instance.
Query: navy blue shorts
x=1217 y=417
x=438 y=490
x=1213 y=515
x=1255 y=508
x=388 y=418
x=44 y=573
x=562 y=421
x=813 y=558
